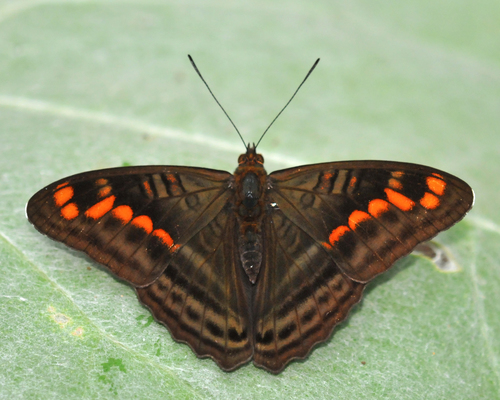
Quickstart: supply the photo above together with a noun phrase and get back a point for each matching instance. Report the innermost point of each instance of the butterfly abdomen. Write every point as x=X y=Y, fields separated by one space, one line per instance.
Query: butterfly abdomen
x=250 y=249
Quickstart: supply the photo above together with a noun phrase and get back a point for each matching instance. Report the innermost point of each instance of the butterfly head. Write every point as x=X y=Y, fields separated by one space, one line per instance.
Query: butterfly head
x=251 y=157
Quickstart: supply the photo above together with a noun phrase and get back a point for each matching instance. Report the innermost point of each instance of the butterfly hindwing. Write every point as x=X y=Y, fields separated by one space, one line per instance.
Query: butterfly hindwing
x=301 y=294
x=203 y=296
x=132 y=220
x=368 y=214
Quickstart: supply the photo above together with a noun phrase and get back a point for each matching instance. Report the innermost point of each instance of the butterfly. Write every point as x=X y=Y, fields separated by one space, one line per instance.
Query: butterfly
x=250 y=265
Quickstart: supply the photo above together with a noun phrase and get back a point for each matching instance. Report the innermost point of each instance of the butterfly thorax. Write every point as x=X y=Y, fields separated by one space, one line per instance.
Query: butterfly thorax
x=249 y=183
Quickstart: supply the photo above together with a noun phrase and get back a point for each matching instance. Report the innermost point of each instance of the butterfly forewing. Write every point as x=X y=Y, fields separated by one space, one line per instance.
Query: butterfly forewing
x=367 y=214
x=133 y=220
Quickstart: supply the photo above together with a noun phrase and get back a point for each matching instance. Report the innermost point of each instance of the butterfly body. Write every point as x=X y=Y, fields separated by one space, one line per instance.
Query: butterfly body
x=249 y=265
x=250 y=191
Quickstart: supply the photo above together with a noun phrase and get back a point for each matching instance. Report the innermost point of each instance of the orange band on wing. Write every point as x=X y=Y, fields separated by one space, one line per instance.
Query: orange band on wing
x=101 y=208
x=143 y=222
x=337 y=233
x=429 y=201
x=104 y=191
x=400 y=201
x=62 y=196
x=436 y=185
x=166 y=239
x=123 y=213
x=171 y=178
x=377 y=207
x=326 y=245
x=395 y=184
x=357 y=217
x=147 y=188
x=61 y=185
x=164 y=236
x=101 y=182
x=70 y=211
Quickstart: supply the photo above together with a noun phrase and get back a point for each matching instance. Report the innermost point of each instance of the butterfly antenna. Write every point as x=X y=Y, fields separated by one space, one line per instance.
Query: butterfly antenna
x=289 y=101
x=215 y=98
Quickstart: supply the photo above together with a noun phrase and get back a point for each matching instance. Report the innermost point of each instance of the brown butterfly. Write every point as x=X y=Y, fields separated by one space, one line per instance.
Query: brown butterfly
x=249 y=265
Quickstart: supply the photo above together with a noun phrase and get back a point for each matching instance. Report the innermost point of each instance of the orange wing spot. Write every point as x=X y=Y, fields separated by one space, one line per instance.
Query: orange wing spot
x=429 y=201
x=337 y=233
x=174 y=248
x=395 y=184
x=101 y=208
x=326 y=245
x=400 y=201
x=147 y=187
x=70 y=211
x=436 y=185
x=171 y=178
x=101 y=182
x=439 y=176
x=144 y=222
x=357 y=217
x=62 y=196
x=104 y=191
x=377 y=207
x=397 y=174
x=164 y=237
x=327 y=175
x=61 y=185
x=352 y=182
x=123 y=213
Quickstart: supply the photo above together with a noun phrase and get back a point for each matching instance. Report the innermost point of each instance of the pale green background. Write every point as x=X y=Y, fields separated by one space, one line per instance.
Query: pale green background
x=94 y=84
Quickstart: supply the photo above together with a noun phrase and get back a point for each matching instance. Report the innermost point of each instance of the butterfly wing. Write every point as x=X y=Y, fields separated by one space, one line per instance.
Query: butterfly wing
x=132 y=220
x=331 y=228
x=301 y=294
x=203 y=296
x=169 y=231
x=367 y=214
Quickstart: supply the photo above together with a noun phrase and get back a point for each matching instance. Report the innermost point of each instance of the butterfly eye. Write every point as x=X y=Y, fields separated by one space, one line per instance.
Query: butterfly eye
x=242 y=158
x=260 y=159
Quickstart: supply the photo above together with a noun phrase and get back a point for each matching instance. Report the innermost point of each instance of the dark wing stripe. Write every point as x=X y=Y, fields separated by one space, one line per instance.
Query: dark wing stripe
x=296 y=301
x=305 y=275
x=376 y=242
x=210 y=311
x=158 y=223
x=400 y=213
x=338 y=256
x=307 y=222
x=206 y=295
x=119 y=244
x=302 y=333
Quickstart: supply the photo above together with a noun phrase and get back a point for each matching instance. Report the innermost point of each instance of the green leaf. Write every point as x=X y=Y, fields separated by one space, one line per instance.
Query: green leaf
x=94 y=84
